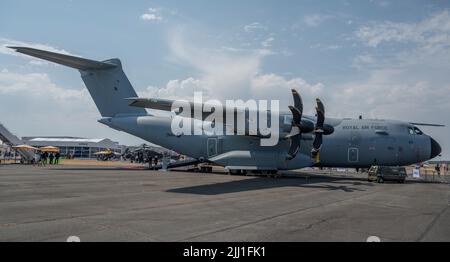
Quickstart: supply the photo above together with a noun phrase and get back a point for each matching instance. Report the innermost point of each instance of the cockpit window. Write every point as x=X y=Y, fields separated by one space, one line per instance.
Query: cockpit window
x=417 y=131
x=414 y=131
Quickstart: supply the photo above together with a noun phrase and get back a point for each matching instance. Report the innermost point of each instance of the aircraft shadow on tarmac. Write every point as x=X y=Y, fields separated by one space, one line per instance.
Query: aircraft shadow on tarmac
x=347 y=184
x=84 y=168
x=99 y=168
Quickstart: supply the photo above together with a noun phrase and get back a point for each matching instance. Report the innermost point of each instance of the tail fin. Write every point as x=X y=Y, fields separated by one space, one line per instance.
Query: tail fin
x=106 y=81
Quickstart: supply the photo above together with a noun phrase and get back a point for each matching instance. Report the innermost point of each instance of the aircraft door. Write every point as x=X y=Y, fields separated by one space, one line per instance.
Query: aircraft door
x=404 y=147
x=212 y=147
x=412 y=144
x=420 y=144
x=411 y=136
x=353 y=155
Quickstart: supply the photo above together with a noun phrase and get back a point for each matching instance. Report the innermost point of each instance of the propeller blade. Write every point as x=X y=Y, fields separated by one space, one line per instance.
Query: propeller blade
x=296 y=116
x=294 y=131
x=320 y=109
x=295 y=134
x=318 y=139
x=298 y=103
x=317 y=142
x=295 y=146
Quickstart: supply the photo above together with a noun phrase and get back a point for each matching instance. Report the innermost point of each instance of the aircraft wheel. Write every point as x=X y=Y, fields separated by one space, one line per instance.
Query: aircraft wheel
x=235 y=172
x=380 y=180
x=265 y=173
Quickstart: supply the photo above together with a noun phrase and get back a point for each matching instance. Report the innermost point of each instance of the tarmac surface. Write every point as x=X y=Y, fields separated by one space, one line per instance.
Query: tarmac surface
x=111 y=204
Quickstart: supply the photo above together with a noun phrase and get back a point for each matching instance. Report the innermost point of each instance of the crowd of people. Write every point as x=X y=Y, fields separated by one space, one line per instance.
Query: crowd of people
x=48 y=158
x=438 y=167
x=142 y=157
x=7 y=155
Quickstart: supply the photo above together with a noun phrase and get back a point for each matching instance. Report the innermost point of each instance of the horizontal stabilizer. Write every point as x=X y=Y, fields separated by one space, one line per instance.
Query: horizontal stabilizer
x=67 y=60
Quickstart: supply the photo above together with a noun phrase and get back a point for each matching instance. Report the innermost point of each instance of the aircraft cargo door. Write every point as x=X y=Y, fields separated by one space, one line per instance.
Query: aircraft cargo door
x=212 y=147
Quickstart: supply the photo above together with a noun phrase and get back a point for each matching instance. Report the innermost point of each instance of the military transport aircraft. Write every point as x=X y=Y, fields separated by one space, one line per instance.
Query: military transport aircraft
x=305 y=141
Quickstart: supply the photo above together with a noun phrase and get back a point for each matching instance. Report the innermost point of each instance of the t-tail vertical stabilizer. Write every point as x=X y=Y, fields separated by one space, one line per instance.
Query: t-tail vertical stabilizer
x=106 y=81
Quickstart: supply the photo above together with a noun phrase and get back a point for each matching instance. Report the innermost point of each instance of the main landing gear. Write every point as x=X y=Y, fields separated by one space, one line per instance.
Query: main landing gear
x=240 y=172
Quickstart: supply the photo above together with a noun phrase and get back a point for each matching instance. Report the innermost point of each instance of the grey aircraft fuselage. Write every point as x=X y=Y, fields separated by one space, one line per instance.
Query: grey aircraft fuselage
x=353 y=142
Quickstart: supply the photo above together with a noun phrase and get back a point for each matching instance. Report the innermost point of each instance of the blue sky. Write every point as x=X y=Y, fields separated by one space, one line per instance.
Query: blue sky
x=381 y=59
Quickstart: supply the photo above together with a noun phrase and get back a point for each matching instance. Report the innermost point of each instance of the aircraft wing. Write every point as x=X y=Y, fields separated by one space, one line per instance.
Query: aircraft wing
x=152 y=103
x=427 y=124
x=166 y=105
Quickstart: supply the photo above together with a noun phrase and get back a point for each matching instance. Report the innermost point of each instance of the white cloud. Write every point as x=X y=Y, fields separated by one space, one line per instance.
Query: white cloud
x=221 y=72
x=33 y=105
x=413 y=75
x=381 y=3
x=267 y=43
x=228 y=74
x=361 y=61
x=274 y=86
x=151 y=17
x=325 y=47
x=266 y=83
x=253 y=27
x=152 y=14
x=176 y=89
x=315 y=19
x=37 y=85
x=389 y=94
x=5 y=42
x=431 y=32
x=407 y=81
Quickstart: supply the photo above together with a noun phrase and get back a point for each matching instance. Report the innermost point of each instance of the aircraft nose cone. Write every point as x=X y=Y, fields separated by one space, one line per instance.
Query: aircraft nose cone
x=435 y=148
